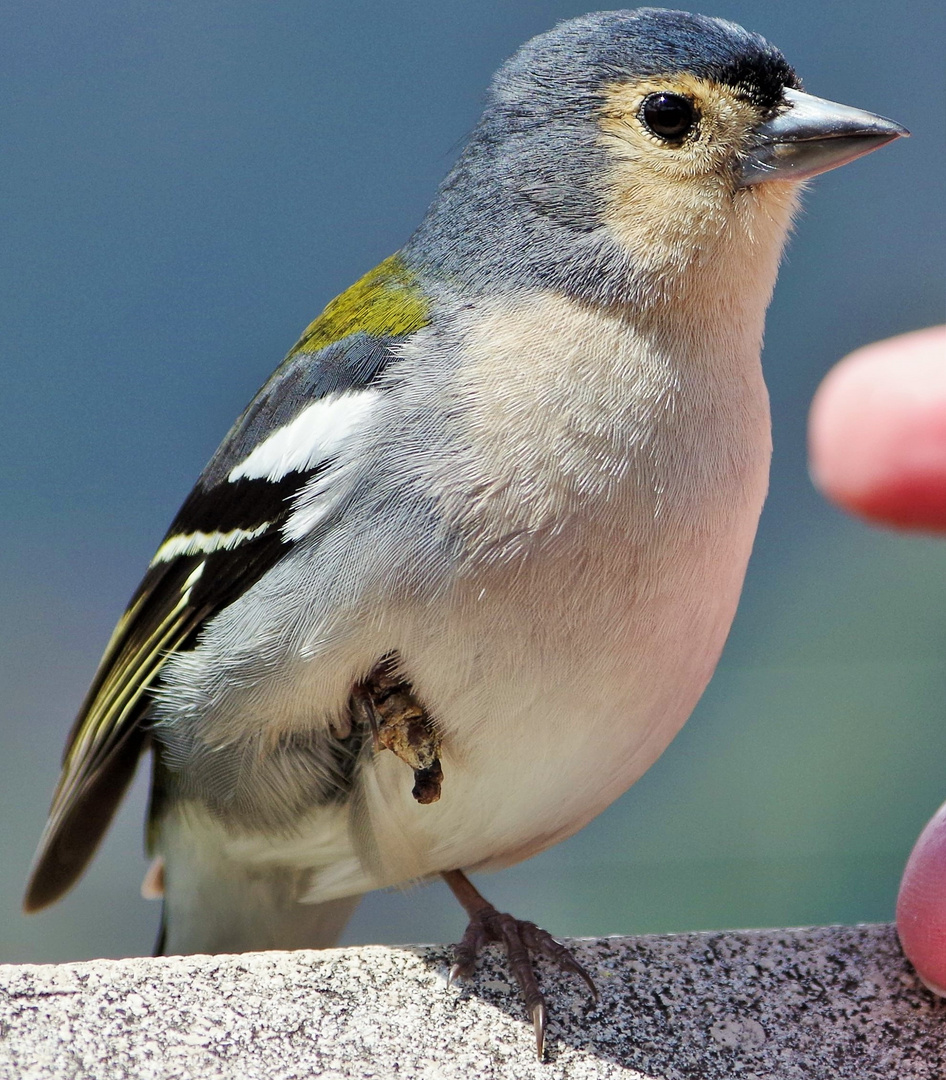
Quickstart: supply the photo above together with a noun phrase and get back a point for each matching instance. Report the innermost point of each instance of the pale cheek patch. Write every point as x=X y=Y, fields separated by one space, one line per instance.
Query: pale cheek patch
x=674 y=204
x=203 y=543
x=314 y=436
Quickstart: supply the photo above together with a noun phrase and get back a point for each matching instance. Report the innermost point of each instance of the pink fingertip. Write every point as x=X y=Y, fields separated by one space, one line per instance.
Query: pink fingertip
x=921 y=905
x=877 y=432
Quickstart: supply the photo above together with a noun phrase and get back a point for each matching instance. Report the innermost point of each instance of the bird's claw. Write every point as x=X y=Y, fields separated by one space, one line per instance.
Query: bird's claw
x=538 y=1024
x=520 y=939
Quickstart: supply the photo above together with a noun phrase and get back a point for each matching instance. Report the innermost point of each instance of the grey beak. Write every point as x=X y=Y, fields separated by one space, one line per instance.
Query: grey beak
x=812 y=136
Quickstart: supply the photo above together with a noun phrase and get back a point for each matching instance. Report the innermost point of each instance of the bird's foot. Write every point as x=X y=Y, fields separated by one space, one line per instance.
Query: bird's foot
x=386 y=702
x=522 y=940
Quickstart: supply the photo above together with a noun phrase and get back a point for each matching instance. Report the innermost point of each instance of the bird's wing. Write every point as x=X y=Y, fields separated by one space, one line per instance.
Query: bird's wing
x=224 y=538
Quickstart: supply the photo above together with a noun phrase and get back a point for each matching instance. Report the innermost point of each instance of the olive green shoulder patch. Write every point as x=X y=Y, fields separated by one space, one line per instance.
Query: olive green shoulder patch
x=386 y=302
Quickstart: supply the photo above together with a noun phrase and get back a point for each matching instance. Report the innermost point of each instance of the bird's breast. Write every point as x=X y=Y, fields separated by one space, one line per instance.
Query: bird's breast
x=580 y=425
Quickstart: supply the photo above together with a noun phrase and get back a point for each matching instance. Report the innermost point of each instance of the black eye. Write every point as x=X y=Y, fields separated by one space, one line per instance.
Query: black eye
x=669 y=116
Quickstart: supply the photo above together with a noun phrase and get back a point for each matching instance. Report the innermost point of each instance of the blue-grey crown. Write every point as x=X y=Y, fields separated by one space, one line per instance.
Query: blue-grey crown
x=576 y=57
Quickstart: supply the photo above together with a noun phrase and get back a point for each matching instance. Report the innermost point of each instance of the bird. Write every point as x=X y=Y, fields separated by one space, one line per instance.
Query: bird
x=464 y=566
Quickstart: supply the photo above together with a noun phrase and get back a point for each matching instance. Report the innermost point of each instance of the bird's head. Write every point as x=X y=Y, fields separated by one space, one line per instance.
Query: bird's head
x=659 y=130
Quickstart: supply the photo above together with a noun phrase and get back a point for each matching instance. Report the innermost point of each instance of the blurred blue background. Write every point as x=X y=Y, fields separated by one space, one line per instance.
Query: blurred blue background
x=186 y=185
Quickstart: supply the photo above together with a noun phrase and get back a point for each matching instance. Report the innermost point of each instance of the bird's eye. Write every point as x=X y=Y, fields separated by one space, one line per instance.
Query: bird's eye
x=669 y=116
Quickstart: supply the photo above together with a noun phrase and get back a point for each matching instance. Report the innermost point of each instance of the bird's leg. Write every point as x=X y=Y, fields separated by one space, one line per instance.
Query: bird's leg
x=399 y=722
x=519 y=938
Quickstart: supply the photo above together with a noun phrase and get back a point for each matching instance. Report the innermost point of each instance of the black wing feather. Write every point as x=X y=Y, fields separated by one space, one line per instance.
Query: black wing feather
x=174 y=601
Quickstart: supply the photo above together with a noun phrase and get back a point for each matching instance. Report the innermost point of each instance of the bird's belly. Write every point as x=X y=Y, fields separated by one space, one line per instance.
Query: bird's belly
x=554 y=692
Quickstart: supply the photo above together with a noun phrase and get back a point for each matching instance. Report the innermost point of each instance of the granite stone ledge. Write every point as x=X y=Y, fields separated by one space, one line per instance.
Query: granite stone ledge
x=830 y=1002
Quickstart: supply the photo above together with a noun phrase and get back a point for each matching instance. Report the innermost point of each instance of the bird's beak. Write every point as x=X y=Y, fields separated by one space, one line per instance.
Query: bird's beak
x=812 y=136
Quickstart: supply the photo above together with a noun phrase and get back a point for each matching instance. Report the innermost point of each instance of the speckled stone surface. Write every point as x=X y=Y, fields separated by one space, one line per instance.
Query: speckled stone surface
x=834 y=1002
